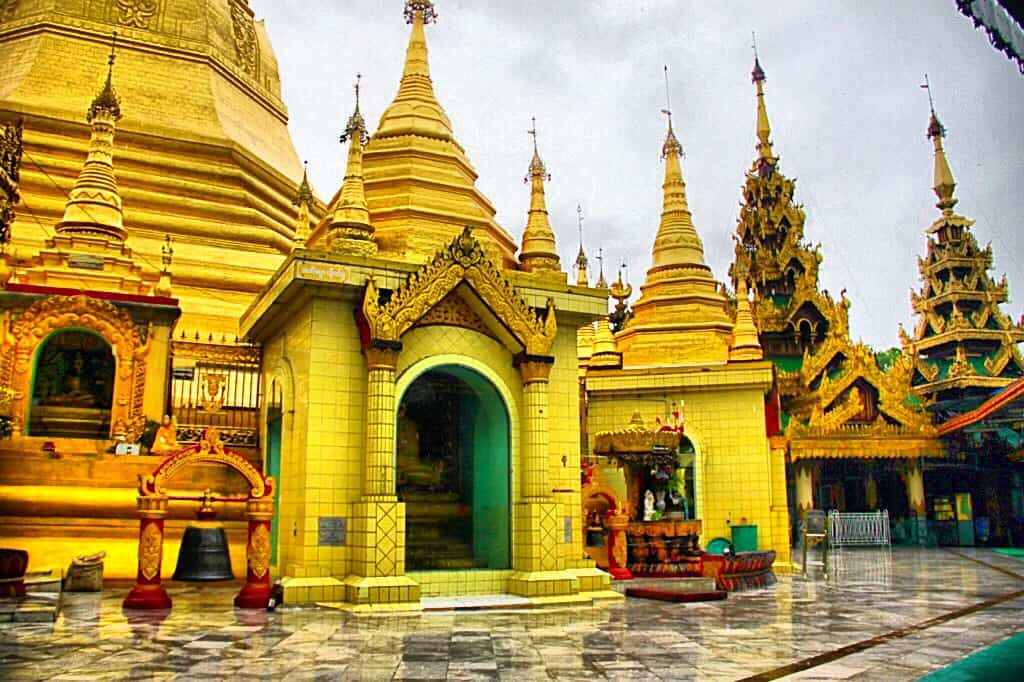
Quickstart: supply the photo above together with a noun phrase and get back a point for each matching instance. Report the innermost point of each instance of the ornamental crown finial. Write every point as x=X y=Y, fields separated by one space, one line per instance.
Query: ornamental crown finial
x=423 y=7
x=671 y=143
x=935 y=127
x=537 y=167
x=107 y=99
x=305 y=193
x=355 y=129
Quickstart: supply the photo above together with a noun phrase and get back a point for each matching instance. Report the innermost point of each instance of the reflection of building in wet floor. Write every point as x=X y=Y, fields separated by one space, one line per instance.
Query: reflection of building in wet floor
x=848 y=566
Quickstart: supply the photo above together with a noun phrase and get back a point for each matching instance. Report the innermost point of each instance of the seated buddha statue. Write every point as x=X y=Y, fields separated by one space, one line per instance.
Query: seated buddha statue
x=166 y=438
x=74 y=391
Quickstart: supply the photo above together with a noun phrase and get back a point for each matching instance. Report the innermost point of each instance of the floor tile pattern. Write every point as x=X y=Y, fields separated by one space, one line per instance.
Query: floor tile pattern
x=762 y=634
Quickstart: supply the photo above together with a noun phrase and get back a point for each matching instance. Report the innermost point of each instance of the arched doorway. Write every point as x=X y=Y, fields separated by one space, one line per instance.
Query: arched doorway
x=452 y=471
x=73 y=386
x=272 y=466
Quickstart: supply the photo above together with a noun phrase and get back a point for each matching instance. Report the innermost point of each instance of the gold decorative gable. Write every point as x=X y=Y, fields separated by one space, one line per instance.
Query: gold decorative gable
x=837 y=401
x=463 y=260
x=453 y=311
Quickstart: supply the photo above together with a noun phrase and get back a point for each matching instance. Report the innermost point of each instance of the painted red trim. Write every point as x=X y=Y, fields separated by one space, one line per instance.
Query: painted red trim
x=109 y=296
x=1001 y=399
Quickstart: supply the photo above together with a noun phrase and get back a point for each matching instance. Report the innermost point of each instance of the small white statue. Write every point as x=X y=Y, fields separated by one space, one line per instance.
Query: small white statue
x=648 y=506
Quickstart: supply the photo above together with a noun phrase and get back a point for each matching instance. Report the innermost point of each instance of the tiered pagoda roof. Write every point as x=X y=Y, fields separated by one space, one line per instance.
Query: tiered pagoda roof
x=963 y=343
x=837 y=400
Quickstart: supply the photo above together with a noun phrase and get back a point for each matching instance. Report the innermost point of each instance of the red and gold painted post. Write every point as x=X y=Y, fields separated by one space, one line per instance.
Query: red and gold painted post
x=618 y=554
x=256 y=592
x=148 y=593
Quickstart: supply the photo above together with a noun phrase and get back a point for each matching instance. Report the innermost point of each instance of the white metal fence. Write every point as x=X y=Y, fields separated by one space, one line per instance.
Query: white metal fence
x=859 y=529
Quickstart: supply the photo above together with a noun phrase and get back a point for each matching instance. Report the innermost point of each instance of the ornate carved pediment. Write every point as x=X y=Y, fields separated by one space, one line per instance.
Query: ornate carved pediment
x=454 y=311
x=462 y=261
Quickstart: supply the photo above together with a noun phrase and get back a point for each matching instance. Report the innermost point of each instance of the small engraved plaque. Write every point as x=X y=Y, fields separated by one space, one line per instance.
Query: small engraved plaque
x=332 y=531
x=568 y=529
x=85 y=261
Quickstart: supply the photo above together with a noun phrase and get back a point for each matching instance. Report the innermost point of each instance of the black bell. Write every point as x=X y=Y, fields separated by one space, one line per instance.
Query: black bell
x=203 y=555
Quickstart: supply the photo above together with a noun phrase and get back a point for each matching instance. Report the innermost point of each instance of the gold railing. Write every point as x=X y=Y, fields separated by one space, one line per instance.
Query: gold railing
x=216 y=384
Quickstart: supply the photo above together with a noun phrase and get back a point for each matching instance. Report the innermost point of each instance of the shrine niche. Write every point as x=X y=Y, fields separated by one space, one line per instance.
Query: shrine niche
x=73 y=386
x=100 y=357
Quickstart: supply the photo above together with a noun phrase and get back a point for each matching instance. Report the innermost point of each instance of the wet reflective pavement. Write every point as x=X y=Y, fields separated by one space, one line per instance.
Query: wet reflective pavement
x=879 y=615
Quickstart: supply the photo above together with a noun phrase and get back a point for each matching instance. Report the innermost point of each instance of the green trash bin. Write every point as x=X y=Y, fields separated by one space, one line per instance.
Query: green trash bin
x=744 y=538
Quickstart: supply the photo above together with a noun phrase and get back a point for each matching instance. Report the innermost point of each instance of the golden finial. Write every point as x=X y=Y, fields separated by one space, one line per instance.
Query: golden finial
x=424 y=8
x=167 y=252
x=107 y=99
x=671 y=145
x=935 y=128
x=537 y=167
x=757 y=75
x=581 y=257
x=944 y=183
x=305 y=193
x=356 y=127
x=602 y=283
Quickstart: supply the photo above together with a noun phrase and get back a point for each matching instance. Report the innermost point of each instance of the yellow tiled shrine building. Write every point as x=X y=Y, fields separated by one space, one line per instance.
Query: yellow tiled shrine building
x=421 y=386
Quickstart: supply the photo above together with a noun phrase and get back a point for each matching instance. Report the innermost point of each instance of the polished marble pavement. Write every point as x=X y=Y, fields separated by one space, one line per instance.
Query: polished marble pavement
x=878 y=615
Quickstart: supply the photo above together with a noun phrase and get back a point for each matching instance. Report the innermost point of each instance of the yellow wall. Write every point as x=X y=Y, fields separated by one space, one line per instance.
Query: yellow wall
x=737 y=480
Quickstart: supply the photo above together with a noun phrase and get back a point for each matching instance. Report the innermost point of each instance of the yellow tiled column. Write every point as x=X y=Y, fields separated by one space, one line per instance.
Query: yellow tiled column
x=540 y=568
x=378 y=552
x=913 y=478
x=380 y=421
x=804 y=474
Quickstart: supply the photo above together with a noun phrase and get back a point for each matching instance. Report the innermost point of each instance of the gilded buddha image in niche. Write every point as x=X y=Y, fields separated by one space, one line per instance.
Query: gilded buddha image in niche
x=428 y=443
x=74 y=369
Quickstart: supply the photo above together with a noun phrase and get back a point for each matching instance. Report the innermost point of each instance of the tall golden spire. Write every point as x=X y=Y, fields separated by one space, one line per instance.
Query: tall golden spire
x=764 y=130
x=676 y=243
x=581 y=257
x=538 y=253
x=944 y=184
x=415 y=109
x=350 y=230
x=682 y=314
x=94 y=204
x=303 y=200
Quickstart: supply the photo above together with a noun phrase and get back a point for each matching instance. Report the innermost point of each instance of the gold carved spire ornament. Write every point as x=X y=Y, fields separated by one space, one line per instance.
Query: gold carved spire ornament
x=766 y=160
x=303 y=200
x=350 y=231
x=677 y=243
x=94 y=204
x=538 y=253
x=581 y=257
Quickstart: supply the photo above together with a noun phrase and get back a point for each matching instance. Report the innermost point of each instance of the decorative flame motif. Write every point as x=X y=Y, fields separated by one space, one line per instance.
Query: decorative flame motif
x=137 y=13
x=150 y=549
x=259 y=551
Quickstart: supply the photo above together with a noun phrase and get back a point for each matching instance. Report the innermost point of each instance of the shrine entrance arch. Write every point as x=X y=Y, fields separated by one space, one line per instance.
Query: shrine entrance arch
x=453 y=468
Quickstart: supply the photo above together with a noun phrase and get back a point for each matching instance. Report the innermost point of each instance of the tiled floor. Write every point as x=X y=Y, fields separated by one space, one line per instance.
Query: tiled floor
x=879 y=616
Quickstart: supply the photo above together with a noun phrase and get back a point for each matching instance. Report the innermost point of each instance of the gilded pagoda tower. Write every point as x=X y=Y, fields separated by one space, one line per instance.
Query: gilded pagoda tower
x=965 y=354
x=842 y=410
x=964 y=345
x=204 y=152
x=687 y=353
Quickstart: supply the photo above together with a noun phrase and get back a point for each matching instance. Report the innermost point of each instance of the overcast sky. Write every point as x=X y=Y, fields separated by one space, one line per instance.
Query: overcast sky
x=848 y=120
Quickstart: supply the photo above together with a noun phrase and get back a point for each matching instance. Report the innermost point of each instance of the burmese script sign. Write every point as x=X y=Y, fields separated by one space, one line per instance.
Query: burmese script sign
x=332 y=531
x=324 y=272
